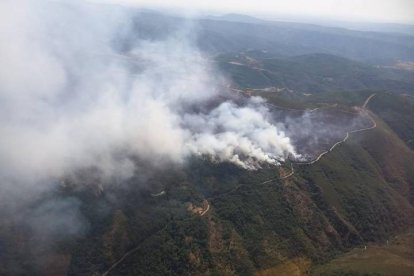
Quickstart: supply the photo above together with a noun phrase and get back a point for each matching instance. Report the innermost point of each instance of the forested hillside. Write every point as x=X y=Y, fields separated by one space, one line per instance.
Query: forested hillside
x=314 y=212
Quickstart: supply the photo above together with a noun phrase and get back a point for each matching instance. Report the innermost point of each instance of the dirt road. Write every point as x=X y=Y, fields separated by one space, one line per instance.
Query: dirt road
x=374 y=125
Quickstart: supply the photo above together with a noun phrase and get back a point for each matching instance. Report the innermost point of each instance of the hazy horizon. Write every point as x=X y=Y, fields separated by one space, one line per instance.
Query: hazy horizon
x=366 y=11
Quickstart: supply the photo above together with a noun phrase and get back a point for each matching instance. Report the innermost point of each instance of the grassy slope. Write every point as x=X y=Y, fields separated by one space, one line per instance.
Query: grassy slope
x=398 y=113
x=393 y=258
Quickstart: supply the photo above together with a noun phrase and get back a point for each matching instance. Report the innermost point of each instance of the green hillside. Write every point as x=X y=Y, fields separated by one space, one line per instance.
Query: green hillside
x=126 y=131
x=347 y=199
x=360 y=193
x=313 y=74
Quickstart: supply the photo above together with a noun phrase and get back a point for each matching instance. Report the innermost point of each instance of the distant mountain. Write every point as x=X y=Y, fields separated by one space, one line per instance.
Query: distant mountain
x=236 y=33
x=235 y=17
x=396 y=28
x=288 y=39
x=404 y=29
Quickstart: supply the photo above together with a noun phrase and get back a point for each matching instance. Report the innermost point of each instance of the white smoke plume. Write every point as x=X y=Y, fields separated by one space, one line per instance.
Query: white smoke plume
x=69 y=100
x=241 y=135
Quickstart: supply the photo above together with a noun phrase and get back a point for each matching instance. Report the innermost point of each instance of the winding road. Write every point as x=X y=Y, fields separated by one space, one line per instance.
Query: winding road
x=129 y=253
x=133 y=250
x=374 y=125
x=292 y=172
x=206 y=210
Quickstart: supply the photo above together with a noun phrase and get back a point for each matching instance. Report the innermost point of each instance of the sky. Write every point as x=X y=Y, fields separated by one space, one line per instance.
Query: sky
x=401 y=11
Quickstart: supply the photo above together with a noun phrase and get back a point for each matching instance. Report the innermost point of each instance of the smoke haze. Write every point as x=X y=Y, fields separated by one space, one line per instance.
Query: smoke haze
x=69 y=100
x=92 y=97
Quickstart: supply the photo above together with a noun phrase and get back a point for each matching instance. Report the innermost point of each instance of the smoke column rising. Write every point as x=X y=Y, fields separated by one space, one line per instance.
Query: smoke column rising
x=69 y=100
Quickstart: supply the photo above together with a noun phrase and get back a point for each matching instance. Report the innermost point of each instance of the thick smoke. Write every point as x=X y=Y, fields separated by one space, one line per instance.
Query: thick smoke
x=241 y=135
x=70 y=99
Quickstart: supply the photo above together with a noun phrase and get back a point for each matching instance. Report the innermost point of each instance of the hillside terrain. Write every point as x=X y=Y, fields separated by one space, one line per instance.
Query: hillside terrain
x=249 y=221
x=351 y=117
x=311 y=74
